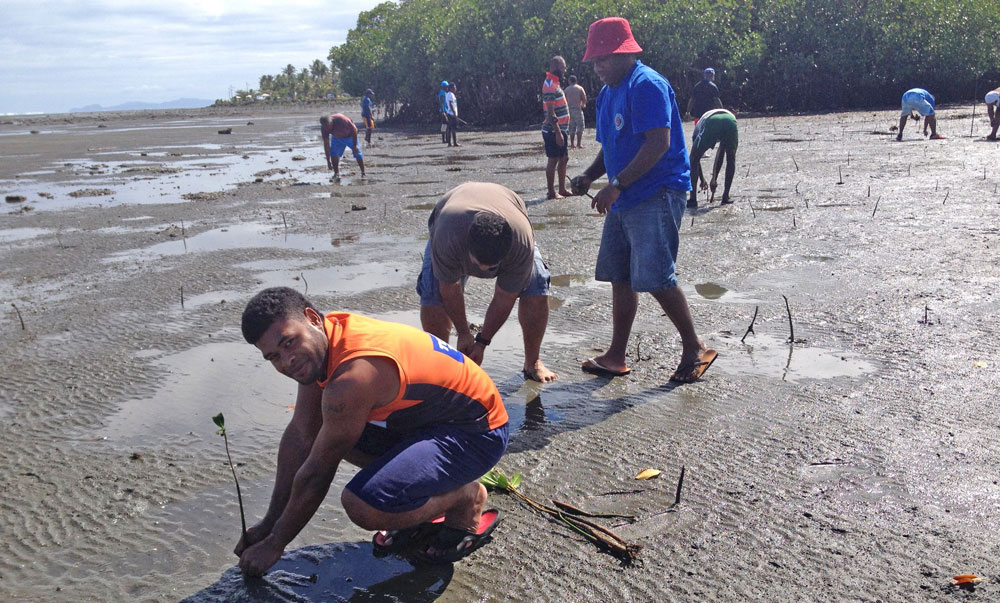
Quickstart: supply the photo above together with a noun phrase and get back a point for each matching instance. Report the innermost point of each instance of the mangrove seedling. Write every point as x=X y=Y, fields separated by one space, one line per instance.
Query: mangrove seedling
x=220 y=422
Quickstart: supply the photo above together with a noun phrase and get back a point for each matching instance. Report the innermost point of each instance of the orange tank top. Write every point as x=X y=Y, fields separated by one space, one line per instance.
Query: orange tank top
x=437 y=383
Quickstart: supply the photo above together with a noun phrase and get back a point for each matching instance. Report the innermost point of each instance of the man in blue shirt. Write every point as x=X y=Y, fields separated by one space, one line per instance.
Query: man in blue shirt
x=918 y=102
x=442 y=97
x=367 y=116
x=644 y=156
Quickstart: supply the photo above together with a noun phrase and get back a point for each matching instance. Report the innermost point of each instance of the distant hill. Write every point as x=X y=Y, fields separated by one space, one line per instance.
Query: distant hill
x=180 y=103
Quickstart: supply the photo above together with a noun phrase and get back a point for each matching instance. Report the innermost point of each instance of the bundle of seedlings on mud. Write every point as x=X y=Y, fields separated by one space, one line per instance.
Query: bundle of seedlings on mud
x=220 y=422
x=568 y=515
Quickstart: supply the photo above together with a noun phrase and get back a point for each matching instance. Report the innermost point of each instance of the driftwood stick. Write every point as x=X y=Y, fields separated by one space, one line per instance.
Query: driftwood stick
x=577 y=511
x=752 y=320
x=876 y=205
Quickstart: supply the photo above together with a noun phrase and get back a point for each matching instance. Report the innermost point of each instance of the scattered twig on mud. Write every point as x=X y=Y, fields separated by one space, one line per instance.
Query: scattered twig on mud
x=791 y=327
x=869 y=191
x=596 y=533
x=752 y=320
x=182 y=297
x=284 y=221
x=793 y=221
x=946 y=193
x=19 y=317
x=568 y=508
x=796 y=163
x=748 y=172
x=619 y=492
x=848 y=158
x=751 y=208
x=840 y=171
x=303 y=277
x=876 y=205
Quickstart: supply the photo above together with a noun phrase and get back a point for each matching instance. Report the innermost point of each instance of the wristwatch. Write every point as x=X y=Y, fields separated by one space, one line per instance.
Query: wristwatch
x=482 y=340
x=616 y=184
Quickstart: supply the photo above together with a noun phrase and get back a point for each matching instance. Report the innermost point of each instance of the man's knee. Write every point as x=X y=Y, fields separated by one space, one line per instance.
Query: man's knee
x=360 y=512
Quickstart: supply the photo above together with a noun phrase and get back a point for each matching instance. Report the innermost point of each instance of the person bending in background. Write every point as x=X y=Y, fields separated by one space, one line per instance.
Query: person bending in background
x=918 y=102
x=338 y=133
x=716 y=126
x=993 y=108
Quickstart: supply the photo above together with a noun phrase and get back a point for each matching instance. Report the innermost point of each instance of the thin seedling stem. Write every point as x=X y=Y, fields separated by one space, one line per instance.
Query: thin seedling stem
x=750 y=328
x=876 y=205
x=946 y=193
x=19 y=317
x=791 y=327
x=284 y=221
x=840 y=172
x=796 y=163
x=680 y=485
x=752 y=209
x=303 y=277
x=239 y=495
x=182 y=297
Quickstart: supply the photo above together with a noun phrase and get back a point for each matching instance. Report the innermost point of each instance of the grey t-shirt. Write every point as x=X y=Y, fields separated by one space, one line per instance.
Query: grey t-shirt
x=449 y=229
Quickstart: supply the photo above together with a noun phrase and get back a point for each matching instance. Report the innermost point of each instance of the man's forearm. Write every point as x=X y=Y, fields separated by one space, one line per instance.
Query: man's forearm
x=497 y=312
x=453 y=300
x=596 y=169
x=292 y=452
x=309 y=488
x=645 y=158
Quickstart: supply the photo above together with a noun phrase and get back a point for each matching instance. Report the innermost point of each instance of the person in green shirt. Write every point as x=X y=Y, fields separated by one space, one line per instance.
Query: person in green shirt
x=717 y=126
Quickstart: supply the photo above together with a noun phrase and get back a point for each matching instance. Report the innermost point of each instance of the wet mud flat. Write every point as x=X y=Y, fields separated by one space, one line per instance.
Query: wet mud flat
x=854 y=462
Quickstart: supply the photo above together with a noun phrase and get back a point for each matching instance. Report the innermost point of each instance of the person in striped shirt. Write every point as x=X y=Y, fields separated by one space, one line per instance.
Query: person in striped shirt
x=555 y=127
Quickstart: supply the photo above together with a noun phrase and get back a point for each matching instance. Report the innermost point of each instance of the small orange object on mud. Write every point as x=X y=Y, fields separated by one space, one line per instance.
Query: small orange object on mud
x=961 y=579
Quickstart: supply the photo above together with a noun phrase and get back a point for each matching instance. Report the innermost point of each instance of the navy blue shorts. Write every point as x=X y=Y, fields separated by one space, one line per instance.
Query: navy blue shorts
x=553 y=150
x=411 y=468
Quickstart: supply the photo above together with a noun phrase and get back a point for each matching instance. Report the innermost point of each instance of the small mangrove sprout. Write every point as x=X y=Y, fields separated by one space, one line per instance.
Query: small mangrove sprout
x=220 y=422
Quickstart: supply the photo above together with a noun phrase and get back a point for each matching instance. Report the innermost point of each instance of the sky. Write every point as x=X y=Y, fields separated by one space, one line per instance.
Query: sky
x=57 y=55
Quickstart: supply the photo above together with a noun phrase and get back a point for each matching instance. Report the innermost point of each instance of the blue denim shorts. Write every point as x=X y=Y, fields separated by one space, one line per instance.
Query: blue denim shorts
x=339 y=145
x=411 y=468
x=639 y=244
x=430 y=292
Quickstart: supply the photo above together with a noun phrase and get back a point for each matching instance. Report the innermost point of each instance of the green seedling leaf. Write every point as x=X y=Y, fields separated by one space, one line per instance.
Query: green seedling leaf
x=515 y=480
x=220 y=422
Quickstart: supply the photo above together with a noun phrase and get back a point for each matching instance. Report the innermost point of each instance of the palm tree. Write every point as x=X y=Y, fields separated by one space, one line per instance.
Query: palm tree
x=318 y=69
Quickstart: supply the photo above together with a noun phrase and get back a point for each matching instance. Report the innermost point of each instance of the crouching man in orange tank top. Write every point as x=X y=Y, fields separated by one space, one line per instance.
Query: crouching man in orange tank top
x=422 y=420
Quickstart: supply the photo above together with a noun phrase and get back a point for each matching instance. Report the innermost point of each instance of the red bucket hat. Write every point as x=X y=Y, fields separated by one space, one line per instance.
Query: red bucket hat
x=611 y=35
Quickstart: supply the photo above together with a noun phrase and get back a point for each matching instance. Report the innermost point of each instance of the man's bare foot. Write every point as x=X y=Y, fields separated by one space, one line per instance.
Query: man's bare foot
x=539 y=372
x=553 y=195
x=565 y=193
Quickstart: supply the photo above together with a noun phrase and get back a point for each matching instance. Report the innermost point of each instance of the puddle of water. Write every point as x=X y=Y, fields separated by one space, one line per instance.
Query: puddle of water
x=775 y=208
x=347 y=279
x=9 y=235
x=199 y=383
x=237 y=236
x=768 y=356
x=716 y=292
x=421 y=206
x=568 y=280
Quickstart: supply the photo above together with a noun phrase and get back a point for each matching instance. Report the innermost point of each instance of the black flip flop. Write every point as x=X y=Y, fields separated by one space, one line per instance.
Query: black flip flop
x=452 y=544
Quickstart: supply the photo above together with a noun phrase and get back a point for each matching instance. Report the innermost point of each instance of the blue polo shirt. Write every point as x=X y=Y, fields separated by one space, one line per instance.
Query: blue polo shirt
x=366 y=107
x=442 y=103
x=642 y=101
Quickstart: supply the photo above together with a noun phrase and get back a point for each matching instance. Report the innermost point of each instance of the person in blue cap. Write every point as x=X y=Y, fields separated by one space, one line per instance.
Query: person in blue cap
x=704 y=96
x=442 y=100
x=367 y=114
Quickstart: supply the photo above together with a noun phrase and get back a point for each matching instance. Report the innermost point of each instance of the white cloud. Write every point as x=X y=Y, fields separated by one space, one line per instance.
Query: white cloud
x=57 y=55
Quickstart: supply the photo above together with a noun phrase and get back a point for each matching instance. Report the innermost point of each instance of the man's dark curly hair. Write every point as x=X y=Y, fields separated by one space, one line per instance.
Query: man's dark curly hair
x=270 y=305
x=490 y=238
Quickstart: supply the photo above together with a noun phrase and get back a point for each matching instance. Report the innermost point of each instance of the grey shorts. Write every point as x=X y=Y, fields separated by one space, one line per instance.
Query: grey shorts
x=430 y=291
x=639 y=245
x=576 y=121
